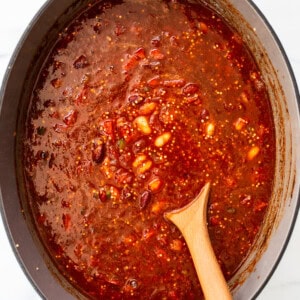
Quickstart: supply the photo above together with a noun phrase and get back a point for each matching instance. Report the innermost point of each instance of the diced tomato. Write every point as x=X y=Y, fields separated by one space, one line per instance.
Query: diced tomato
x=71 y=117
x=66 y=218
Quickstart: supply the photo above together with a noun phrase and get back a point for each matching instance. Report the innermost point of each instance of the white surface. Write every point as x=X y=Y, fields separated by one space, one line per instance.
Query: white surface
x=284 y=18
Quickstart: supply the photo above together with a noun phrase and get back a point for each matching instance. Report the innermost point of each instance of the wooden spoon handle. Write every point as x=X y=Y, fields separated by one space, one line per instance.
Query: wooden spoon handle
x=191 y=221
x=208 y=270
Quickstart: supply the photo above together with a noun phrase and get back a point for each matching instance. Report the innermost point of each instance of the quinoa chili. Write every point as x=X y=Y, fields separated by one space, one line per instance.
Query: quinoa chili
x=138 y=104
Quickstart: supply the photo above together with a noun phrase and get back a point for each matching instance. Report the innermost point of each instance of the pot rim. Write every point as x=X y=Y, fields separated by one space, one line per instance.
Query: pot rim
x=6 y=79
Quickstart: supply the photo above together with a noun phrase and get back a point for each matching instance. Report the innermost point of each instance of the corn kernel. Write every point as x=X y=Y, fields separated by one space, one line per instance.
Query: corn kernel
x=147 y=108
x=161 y=140
x=145 y=166
x=141 y=164
x=155 y=185
x=176 y=245
x=240 y=123
x=253 y=152
x=244 y=97
x=210 y=129
x=158 y=207
x=139 y=160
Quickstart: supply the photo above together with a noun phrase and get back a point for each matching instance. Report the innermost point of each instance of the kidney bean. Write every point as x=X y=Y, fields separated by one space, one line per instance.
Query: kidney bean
x=193 y=99
x=112 y=154
x=125 y=160
x=166 y=115
x=144 y=199
x=126 y=193
x=134 y=59
x=135 y=99
x=80 y=62
x=174 y=41
x=102 y=195
x=98 y=27
x=204 y=114
x=156 y=41
x=155 y=122
x=98 y=152
x=174 y=83
x=42 y=154
x=190 y=88
x=138 y=146
x=49 y=103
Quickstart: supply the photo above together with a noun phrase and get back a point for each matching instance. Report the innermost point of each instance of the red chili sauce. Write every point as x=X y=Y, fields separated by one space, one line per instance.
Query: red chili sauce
x=137 y=106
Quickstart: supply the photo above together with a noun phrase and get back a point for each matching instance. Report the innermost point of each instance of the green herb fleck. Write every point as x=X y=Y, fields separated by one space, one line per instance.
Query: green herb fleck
x=41 y=130
x=121 y=144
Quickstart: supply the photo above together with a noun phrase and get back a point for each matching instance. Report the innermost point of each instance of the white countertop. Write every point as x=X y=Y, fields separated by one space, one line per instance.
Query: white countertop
x=284 y=18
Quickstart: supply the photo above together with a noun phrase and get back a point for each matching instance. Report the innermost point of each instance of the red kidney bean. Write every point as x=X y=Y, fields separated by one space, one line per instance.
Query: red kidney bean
x=156 y=41
x=125 y=160
x=98 y=152
x=80 y=62
x=126 y=193
x=204 y=114
x=190 y=88
x=135 y=99
x=174 y=83
x=138 y=146
x=49 y=103
x=144 y=199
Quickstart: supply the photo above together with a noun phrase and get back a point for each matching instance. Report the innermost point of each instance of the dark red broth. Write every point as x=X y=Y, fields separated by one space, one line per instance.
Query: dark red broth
x=137 y=106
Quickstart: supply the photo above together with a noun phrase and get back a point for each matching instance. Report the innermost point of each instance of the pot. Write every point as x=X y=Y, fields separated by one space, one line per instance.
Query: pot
x=284 y=97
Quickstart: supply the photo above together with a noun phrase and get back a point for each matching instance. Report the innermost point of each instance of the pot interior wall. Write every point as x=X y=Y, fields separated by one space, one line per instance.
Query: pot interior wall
x=17 y=87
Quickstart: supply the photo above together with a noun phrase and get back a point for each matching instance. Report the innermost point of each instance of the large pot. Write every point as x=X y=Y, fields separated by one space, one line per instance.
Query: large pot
x=29 y=55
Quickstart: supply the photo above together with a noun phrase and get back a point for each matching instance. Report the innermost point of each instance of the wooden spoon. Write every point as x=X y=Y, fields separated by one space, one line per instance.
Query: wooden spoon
x=191 y=221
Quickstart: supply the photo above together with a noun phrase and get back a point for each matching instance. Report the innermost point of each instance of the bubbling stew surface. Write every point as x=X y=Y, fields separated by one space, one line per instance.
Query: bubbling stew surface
x=138 y=105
